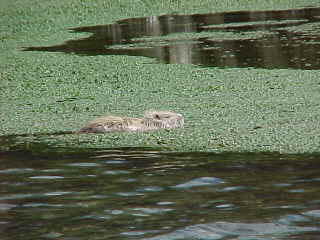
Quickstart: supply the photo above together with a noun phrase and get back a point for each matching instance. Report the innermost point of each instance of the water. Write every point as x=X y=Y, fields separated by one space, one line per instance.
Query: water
x=262 y=39
x=128 y=194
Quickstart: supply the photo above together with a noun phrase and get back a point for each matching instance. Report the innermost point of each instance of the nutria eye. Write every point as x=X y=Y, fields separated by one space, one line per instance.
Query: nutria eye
x=157 y=116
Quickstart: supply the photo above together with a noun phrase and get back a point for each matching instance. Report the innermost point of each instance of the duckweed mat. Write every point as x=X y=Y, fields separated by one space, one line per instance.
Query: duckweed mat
x=231 y=109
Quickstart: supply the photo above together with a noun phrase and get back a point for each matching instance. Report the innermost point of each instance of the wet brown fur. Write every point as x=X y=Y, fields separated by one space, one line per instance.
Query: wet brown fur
x=152 y=120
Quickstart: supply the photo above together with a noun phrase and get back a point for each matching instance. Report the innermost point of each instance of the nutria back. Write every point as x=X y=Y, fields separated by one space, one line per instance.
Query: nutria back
x=152 y=120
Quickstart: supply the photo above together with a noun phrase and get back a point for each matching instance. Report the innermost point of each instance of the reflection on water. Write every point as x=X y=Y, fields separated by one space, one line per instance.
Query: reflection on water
x=153 y=195
x=262 y=39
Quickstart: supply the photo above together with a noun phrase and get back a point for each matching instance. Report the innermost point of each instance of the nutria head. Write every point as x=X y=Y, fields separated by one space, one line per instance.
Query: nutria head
x=163 y=119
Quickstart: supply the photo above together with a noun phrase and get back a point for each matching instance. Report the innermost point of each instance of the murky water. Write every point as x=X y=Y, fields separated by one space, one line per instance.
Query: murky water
x=263 y=39
x=151 y=195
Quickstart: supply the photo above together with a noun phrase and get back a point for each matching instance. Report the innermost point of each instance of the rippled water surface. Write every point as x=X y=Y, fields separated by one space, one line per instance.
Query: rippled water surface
x=151 y=195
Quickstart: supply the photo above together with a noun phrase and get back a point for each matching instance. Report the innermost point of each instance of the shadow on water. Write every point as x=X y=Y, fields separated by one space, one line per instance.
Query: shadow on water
x=145 y=194
x=261 y=39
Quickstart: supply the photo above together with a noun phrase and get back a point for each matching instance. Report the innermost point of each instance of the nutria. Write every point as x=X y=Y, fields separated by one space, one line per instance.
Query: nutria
x=152 y=120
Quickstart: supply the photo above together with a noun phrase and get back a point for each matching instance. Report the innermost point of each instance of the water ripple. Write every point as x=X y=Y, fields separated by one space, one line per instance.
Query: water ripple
x=47 y=177
x=199 y=182
x=313 y=213
x=16 y=196
x=84 y=164
x=233 y=188
x=115 y=162
x=152 y=210
x=56 y=193
x=6 y=206
x=37 y=205
x=150 y=189
x=129 y=194
x=114 y=212
x=16 y=170
x=115 y=172
x=292 y=219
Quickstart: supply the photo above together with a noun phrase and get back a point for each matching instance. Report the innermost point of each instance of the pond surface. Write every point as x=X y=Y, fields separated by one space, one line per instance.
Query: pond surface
x=262 y=39
x=127 y=194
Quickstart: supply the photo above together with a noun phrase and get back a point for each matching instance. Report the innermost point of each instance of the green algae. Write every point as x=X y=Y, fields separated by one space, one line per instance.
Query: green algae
x=253 y=110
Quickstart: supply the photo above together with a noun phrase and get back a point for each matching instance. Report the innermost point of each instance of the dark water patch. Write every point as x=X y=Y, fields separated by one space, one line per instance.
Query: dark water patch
x=223 y=196
x=261 y=39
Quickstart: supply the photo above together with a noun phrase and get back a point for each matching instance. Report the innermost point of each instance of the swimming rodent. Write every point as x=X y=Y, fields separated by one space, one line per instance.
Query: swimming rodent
x=152 y=120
